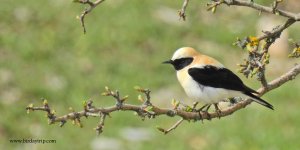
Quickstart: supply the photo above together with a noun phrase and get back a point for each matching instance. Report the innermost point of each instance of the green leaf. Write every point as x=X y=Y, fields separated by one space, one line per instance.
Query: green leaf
x=105 y=94
x=175 y=103
x=213 y=10
x=84 y=103
x=140 y=98
x=53 y=112
x=45 y=102
x=188 y=109
x=30 y=105
x=137 y=87
x=106 y=88
x=148 y=108
x=124 y=98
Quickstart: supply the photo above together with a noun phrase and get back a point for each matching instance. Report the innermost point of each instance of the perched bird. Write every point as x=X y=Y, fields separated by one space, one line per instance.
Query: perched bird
x=206 y=80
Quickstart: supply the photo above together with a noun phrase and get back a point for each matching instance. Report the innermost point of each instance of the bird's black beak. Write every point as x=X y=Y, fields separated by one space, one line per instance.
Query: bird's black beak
x=168 y=62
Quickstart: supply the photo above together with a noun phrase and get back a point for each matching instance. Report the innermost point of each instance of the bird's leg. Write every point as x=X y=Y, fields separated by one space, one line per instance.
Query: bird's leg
x=207 y=106
x=194 y=106
x=200 y=109
x=206 y=111
x=218 y=111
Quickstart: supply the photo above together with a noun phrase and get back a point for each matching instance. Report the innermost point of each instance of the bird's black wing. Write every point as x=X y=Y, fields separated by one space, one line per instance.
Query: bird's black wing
x=223 y=78
x=218 y=78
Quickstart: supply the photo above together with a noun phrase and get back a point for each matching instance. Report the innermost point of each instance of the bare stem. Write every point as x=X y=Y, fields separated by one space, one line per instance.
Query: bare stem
x=172 y=127
x=262 y=8
x=278 y=30
x=182 y=12
x=87 y=10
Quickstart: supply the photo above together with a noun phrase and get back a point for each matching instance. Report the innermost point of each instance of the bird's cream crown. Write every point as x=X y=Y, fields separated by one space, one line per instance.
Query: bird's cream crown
x=184 y=52
x=198 y=58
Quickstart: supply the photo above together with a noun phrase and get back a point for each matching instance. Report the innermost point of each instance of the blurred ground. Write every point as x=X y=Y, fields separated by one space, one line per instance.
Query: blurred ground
x=43 y=54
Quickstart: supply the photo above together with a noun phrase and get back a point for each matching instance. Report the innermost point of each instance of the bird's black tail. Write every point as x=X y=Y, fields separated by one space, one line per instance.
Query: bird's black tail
x=259 y=100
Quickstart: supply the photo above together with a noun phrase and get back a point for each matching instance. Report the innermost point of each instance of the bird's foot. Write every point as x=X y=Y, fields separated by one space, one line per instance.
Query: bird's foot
x=197 y=111
x=218 y=111
x=205 y=112
x=200 y=116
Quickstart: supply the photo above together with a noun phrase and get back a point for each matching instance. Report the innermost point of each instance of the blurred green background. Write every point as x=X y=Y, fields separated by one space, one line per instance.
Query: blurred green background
x=44 y=54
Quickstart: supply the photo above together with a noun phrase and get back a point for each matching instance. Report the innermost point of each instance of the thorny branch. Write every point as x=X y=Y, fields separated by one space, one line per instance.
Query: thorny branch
x=150 y=110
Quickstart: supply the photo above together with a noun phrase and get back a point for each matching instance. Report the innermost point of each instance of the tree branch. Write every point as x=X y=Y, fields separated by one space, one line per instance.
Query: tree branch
x=152 y=111
x=272 y=10
x=171 y=128
x=290 y=75
x=275 y=33
x=182 y=11
x=270 y=37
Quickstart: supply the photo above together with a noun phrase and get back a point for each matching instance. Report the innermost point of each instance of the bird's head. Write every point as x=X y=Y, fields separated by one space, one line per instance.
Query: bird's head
x=182 y=57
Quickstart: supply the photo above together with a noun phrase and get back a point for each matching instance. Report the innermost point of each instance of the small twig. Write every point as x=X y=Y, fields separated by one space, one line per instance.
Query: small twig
x=99 y=128
x=147 y=94
x=87 y=10
x=213 y=6
x=274 y=34
x=262 y=8
x=258 y=57
x=276 y=31
x=116 y=96
x=182 y=12
x=172 y=127
x=275 y=5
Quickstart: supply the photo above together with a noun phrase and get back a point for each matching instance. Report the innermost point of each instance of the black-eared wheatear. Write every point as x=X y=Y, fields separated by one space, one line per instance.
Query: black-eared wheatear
x=206 y=80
